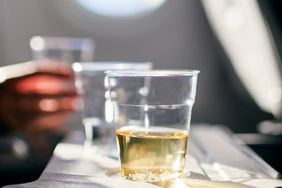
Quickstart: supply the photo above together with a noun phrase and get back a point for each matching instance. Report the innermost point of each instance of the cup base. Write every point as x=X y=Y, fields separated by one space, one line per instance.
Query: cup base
x=116 y=173
x=187 y=179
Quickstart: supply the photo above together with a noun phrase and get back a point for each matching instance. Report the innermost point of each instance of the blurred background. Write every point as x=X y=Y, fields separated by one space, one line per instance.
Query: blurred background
x=176 y=35
x=236 y=46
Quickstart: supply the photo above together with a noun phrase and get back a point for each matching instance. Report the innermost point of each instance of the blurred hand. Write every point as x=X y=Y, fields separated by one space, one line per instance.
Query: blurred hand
x=41 y=97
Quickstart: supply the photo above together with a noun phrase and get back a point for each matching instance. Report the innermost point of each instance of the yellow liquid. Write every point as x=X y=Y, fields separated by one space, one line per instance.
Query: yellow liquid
x=151 y=154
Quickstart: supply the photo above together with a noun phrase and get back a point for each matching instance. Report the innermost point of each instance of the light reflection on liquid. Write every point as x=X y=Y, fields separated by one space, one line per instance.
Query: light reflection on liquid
x=184 y=182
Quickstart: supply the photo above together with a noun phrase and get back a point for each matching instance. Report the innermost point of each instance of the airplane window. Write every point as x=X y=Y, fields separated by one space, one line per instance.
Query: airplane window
x=121 y=8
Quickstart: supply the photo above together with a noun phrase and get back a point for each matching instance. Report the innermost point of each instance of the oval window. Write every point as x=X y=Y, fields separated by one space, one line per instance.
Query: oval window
x=121 y=8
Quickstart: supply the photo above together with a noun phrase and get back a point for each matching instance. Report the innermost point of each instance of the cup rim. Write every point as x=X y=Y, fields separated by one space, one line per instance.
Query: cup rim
x=111 y=65
x=66 y=43
x=152 y=73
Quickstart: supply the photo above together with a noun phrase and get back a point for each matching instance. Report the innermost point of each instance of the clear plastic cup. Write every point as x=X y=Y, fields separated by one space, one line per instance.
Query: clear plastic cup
x=64 y=49
x=151 y=115
x=96 y=107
